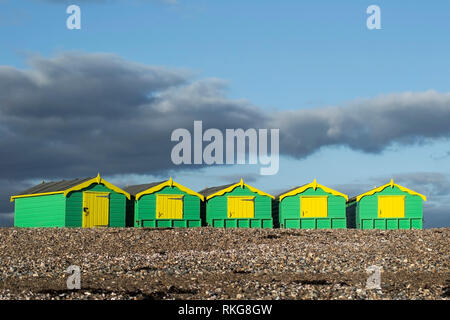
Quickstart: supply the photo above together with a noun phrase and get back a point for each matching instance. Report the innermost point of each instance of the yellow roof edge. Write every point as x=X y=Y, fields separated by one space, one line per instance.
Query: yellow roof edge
x=98 y=180
x=314 y=185
x=80 y=186
x=34 y=195
x=170 y=183
x=239 y=184
x=390 y=184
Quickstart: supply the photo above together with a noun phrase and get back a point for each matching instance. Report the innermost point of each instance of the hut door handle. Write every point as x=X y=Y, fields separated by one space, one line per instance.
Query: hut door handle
x=86 y=210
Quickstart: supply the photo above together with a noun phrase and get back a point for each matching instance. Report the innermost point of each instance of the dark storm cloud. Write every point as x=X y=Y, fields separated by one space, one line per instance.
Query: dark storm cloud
x=75 y=114
x=368 y=125
x=8 y=188
x=6 y=219
x=247 y=177
x=429 y=183
x=436 y=184
x=436 y=216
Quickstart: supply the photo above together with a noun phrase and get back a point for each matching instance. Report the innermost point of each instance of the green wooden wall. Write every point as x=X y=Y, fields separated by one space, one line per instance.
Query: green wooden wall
x=145 y=210
x=216 y=211
x=40 y=211
x=365 y=212
x=289 y=212
x=58 y=211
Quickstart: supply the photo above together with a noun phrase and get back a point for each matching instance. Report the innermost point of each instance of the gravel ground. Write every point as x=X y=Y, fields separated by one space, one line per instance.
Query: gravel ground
x=207 y=263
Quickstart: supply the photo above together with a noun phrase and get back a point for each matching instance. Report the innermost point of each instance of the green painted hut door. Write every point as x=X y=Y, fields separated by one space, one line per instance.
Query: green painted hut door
x=313 y=207
x=241 y=207
x=169 y=206
x=391 y=206
x=95 y=209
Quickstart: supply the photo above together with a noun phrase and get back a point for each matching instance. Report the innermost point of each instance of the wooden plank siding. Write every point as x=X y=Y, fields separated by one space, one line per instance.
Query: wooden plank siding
x=289 y=212
x=117 y=206
x=366 y=215
x=40 y=211
x=56 y=210
x=145 y=210
x=216 y=211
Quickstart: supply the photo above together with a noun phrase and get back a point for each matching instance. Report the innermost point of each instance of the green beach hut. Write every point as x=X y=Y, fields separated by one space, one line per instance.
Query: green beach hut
x=390 y=206
x=311 y=206
x=89 y=202
x=164 y=204
x=237 y=205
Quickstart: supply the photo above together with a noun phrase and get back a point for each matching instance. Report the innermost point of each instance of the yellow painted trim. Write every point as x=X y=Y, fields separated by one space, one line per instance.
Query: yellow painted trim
x=34 y=195
x=313 y=185
x=169 y=183
x=239 y=184
x=171 y=194
x=313 y=215
x=166 y=214
x=252 y=197
x=98 y=180
x=396 y=216
x=242 y=213
x=390 y=184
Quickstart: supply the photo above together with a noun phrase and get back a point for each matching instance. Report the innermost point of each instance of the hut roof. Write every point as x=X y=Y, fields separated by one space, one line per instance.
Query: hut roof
x=54 y=186
x=211 y=190
x=302 y=188
x=220 y=190
x=381 y=188
x=135 y=189
x=66 y=186
x=142 y=189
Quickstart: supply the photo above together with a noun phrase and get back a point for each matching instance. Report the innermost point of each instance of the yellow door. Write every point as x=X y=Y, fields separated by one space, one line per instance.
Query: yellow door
x=241 y=207
x=313 y=207
x=95 y=209
x=169 y=206
x=391 y=206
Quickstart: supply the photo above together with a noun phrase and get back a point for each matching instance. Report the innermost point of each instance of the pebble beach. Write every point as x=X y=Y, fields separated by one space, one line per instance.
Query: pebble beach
x=210 y=263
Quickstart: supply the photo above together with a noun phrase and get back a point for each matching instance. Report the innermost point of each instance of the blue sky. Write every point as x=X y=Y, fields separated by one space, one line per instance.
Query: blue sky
x=286 y=54
x=276 y=55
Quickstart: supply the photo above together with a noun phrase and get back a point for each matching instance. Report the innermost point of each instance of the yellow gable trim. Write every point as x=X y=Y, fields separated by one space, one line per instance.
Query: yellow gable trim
x=390 y=184
x=239 y=184
x=98 y=180
x=313 y=185
x=34 y=195
x=169 y=183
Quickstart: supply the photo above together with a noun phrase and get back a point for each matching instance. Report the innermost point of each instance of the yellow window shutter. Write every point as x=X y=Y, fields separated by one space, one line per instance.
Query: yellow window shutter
x=391 y=206
x=169 y=206
x=241 y=207
x=313 y=206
